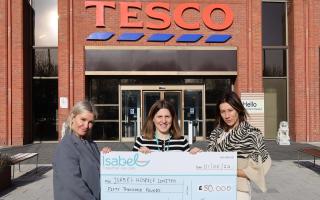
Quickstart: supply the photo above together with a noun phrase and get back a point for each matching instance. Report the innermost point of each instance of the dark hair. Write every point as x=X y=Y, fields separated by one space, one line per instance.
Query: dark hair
x=234 y=101
x=149 y=128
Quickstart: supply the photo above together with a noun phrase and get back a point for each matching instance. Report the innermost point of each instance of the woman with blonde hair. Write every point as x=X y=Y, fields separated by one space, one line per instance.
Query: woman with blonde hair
x=76 y=162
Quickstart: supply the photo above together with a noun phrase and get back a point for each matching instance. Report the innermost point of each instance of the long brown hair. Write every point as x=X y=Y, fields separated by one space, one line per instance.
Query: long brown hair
x=149 y=128
x=234 y=101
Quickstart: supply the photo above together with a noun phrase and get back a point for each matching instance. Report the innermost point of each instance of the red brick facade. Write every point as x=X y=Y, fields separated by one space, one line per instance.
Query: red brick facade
x=303 y=29
x=15 y=101
x=76 y=22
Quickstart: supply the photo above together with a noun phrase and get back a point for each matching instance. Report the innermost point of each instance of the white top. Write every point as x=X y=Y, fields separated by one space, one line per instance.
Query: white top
x=223 y=136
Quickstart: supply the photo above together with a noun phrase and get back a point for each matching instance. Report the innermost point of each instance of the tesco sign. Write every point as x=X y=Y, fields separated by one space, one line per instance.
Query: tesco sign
x=161 y=14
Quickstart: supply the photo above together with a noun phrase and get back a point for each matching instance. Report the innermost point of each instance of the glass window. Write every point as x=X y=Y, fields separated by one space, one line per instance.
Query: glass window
x=105 y=131
x=45 y=93
x=196 y=128
x=211 y=111
x=104 y=91
x=160 y=60
x=274 y=62
x=46 y=22
x=45 y=62
x=210 y=126
x=273 y=24
x=274 y=32
x=215 y=88
x=108 y=112
x=275 y=100
x=45 y=106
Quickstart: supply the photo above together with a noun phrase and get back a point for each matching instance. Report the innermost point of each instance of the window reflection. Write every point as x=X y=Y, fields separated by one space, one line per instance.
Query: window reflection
x=273 y=24
x=104 y=91
x=274 y=62
x=107 y=112
x=46 y=22
x=275 y=105
x=45 y=62
x=105 y=131
x=215 y=88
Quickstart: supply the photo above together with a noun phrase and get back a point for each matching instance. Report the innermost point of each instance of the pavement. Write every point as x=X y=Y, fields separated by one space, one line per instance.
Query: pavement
x=286 y=180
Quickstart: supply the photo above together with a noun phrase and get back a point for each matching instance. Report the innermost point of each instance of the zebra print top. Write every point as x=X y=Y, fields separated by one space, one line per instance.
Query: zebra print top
x=246 y=140
x=180 y=144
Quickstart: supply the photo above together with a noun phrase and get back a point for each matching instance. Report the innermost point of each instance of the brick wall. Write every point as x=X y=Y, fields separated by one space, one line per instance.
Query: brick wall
x=3 y=74
x=71 y=58
x=13 y=75
x=246 y=33
x=304 y=22
x=304 y=70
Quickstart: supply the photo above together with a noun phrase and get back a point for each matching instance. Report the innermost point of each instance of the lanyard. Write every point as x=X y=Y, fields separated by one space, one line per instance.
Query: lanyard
x=165 y=147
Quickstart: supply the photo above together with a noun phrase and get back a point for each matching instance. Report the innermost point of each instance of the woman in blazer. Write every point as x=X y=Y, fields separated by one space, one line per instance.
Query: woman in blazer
x=76 y=162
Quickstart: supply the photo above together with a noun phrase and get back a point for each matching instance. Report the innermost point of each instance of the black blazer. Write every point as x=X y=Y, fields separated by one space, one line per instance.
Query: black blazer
x=76 y=170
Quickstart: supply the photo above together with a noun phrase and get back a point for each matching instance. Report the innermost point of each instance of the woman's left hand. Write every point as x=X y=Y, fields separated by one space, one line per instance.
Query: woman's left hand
x=106 y=150
x=240 y=173
x=195 y=150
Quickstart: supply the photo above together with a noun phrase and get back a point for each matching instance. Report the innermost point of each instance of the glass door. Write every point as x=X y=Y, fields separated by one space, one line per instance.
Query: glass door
x=193 y=114
x=149 y=97
x=130 y=123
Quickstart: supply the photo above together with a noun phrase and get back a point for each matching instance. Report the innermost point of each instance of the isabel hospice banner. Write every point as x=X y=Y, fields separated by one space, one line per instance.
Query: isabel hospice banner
x=168 y=176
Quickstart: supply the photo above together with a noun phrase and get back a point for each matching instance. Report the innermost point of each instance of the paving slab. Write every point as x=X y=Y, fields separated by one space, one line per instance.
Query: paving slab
x=286 y=180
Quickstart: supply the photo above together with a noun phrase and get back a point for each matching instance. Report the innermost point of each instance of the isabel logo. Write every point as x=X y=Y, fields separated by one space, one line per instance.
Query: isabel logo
x=124 y=162
x=160 y=16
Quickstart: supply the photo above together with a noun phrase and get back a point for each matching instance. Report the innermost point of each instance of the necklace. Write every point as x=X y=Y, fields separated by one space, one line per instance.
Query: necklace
x=165 y=146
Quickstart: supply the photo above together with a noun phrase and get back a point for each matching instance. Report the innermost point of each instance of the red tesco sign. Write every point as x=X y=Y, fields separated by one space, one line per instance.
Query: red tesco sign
x=129 y=14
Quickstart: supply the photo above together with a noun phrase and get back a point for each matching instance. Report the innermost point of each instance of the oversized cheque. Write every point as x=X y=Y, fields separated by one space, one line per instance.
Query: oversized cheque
x=168 y=176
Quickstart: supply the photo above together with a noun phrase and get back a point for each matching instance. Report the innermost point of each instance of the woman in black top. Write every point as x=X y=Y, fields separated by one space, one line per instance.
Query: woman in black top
x=161 y=131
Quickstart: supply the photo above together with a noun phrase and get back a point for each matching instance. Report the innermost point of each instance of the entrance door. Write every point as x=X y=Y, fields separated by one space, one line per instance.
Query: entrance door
x=186 y=99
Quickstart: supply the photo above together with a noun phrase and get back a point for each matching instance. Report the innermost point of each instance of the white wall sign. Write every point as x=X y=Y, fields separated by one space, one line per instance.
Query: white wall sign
x=63 y=102
x=254 y=104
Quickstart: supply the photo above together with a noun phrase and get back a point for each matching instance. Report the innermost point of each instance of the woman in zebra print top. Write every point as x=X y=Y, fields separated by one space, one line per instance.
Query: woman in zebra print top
x=161 y=131
x=234 y=133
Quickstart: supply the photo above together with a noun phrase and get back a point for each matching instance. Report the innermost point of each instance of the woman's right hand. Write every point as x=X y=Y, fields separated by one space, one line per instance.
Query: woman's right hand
x=106 y=150
x=144 y=150
x=195 y=150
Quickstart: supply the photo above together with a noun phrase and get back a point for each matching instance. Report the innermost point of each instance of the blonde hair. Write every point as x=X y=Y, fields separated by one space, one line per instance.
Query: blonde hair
x=78 y=108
